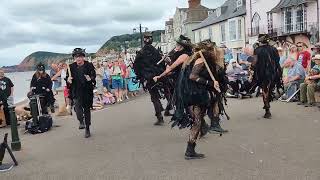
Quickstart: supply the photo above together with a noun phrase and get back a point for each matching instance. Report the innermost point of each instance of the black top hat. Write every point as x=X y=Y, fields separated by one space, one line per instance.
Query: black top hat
x=79 y=52
x=184 y=41
x=263 y=38
x=41 y=67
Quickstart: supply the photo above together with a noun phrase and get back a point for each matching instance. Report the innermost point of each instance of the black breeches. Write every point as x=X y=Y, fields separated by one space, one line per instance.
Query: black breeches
x=83 y=113
x=266 y=95
x=155 y=98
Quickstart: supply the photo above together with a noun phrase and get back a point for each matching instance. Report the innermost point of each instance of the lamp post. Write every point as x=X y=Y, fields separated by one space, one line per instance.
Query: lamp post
x=126 y=46
x=145 y=29
x=15 y=144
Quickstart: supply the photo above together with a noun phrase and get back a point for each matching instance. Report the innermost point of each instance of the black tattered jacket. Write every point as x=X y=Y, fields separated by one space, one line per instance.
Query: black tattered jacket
x=80 y=88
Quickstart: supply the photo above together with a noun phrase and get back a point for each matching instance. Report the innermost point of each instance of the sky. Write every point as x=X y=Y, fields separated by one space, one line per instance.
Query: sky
x=59 y=26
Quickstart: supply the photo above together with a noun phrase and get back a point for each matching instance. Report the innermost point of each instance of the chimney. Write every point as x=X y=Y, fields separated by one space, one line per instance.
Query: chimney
x=194 y=3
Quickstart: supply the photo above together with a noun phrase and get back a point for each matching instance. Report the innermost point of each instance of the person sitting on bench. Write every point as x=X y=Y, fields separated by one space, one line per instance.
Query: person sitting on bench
x=296 y=75
x=310 y=85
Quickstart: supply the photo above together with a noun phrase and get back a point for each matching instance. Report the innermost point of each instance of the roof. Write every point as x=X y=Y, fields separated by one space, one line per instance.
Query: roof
x=288 y=3
x=228 y=10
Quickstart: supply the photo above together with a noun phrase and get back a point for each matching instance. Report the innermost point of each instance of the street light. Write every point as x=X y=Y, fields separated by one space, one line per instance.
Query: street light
x=141 y=29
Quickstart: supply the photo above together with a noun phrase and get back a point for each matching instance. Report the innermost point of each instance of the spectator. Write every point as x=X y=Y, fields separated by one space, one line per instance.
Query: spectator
x=125 y=78
x=296 y=75
x=106 y=76
x=117 y=82
x=62 y=74
x=99 y=77
x=244 y=58
x=315 y=50
x=66 y=90
x=304 y=57
x=133 y=84
x=55 y=79
x=108 y=97
x=6 y=95
x=233 y=68
x=283 y=58
x=310 y=84
x=227 y=53
x=293 y=53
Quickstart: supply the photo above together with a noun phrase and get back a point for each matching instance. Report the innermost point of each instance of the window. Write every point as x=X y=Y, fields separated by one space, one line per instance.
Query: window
x=223 y=32
x=256 y=24
x=288 y=20
x=239 y=3
x=200 y=38
x=232 y=30
x=210 y=33
x=239 y=29
x=270 y=23
x=218 y=11
x=299 y=19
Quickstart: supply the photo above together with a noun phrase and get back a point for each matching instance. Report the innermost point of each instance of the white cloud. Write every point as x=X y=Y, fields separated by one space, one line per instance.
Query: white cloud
x=60 y=25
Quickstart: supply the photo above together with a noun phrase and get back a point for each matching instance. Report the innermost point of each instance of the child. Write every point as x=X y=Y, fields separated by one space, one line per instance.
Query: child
x=108 y=97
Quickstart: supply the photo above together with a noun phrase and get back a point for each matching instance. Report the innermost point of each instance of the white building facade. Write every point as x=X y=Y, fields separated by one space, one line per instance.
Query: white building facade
x=285 y=20
x=224 y=26
x=182 y=23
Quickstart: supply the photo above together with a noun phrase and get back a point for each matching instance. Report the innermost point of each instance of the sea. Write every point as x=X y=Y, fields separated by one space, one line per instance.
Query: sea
x=21 y=81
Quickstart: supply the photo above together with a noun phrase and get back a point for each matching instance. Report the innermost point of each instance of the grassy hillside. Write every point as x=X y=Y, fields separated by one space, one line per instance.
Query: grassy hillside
x=133 y=40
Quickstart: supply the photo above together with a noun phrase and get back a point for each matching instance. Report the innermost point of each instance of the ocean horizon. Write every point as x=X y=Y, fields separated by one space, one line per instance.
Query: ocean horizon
x=21 y=81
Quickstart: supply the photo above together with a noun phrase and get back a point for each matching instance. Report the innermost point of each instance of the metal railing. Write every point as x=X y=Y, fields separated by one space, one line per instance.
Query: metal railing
x=301 y=27
x=255 y=31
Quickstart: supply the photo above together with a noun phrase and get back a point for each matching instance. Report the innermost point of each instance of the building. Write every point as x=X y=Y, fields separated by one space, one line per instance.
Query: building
x=183 y=22
x=286 y=20
x=167 y=39
x=257 y=18
x=226 y=25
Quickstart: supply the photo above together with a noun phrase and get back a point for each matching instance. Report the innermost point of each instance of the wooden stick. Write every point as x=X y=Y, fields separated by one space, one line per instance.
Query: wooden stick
x=209 y=71
x=69 y=71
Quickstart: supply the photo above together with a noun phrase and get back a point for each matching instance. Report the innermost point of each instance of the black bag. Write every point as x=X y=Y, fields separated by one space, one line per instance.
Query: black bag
x=44 y=123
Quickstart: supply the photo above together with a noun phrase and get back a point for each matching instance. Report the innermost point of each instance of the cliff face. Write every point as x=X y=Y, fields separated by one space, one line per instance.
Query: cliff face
x=46 y=58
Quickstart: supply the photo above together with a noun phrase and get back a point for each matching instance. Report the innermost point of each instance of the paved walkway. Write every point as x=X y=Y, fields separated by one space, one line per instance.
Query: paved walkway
x=125 y=145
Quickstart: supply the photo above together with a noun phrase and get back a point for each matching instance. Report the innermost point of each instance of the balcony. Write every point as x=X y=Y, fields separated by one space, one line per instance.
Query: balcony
x=291 y=29
x=255 y=31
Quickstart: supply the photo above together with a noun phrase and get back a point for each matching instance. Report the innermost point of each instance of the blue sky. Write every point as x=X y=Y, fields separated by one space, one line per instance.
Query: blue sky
x=59 y=25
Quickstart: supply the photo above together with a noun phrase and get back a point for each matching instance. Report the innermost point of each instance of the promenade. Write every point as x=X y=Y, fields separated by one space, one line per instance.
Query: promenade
x=126 y=146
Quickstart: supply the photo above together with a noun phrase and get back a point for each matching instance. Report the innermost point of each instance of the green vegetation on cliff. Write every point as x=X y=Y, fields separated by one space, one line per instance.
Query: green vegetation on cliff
x=133 y=40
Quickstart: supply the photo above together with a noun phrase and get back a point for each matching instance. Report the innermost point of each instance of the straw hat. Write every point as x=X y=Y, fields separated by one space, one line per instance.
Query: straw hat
x=316 y=57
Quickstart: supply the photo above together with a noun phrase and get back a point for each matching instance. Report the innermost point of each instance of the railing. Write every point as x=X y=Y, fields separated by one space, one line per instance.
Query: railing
x=294 y=29
x=255 y=31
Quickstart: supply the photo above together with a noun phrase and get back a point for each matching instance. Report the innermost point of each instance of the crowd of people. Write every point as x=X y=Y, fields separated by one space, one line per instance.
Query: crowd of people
x=300 y=72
